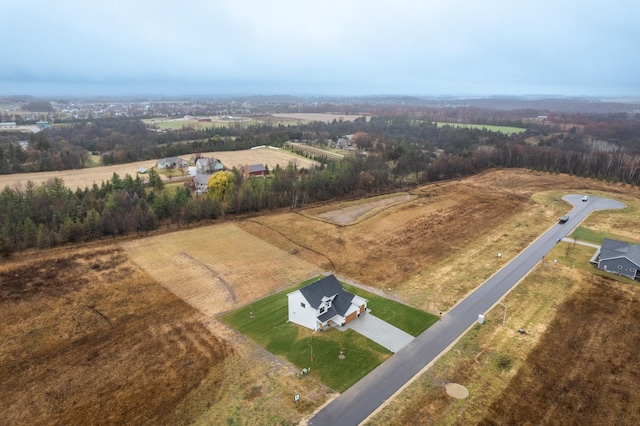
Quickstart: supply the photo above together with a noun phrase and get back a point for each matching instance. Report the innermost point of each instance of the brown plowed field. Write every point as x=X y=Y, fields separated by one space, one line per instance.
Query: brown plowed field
x=580 y=375
x=102 y=333
x=89 y=339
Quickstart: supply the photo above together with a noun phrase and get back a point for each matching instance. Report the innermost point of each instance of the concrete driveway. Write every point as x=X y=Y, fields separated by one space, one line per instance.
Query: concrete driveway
x=381 y=332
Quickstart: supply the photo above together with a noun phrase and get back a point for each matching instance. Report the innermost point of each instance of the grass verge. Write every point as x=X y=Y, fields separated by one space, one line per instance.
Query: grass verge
x=406 y=318
x=590 y=235
x=486 y=357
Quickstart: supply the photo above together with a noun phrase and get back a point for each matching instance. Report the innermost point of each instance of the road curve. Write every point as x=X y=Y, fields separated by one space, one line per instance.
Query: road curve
x=360 y=400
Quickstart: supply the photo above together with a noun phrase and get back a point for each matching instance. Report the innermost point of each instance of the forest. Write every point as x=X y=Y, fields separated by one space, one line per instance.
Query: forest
x=393 y=151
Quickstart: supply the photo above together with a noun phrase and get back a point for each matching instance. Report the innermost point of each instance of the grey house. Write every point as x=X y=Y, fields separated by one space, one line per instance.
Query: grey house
x=200 y=182
x=172 y=163
x=208 y=165
x=619 y=258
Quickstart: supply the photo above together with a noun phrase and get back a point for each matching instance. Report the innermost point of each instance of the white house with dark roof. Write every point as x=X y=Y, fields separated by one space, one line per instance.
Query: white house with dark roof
x=619 y=258
x=172 y=163
x=324 y=303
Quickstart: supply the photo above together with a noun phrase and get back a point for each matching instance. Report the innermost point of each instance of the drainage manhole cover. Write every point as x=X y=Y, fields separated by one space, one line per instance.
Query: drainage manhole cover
x=457 y=391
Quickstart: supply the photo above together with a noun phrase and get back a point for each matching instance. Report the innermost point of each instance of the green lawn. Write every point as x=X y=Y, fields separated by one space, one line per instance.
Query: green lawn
x=577 y=256
x=265 y=322
x=589 y=235
x=501 y=129
x=412 y=320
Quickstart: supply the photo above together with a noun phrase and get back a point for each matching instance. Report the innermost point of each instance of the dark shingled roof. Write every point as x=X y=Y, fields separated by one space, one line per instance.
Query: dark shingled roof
x=257 y=168
x=611 y=249
x=330 y=313
x=328 y=287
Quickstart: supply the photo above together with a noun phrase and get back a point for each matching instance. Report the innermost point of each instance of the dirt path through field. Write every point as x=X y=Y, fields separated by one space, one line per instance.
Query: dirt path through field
x=219 y=267
x=350 y=214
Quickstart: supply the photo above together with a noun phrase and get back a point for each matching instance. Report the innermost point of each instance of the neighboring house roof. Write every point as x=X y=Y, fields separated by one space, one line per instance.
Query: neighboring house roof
x=203 y=162
x=612 y=249
x=172 y=161
x=257 y=168
x=201 y=179
x=209 y=164
x=327 y=288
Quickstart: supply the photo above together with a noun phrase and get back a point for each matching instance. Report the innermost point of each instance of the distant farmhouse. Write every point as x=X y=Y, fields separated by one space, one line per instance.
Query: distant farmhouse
x=172 y=163
x=618 y=257
x=344 y=142
x=208 y=165
x=257 y=170
x=324 y=303
x=205 y=167
x=200 y=182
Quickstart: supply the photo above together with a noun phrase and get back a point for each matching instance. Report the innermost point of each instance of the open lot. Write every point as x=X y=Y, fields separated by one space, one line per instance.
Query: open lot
x=87 y=177
x=94 y=334
x=326 y=117
x=500 y=129
x=245 y=120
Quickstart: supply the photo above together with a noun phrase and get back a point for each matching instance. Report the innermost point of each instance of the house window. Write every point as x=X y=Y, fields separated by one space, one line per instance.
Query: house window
x=322 y=309
x=619 y=266
x=632 y=270
x=303 y=305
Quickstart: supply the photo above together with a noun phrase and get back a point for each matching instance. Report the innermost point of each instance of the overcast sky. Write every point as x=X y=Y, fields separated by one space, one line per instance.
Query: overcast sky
x=320 y=47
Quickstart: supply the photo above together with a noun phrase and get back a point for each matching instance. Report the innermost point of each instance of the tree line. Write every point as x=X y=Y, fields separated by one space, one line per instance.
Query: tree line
x=393 y=152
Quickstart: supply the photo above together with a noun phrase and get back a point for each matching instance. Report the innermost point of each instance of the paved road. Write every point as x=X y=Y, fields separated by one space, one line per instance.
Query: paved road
x=363 y=398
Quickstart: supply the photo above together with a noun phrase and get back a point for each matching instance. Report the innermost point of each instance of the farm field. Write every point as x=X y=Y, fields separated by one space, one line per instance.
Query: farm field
x=492 y=128
x=87 y=177
x=326 y=117
x=79 y=318
x=244 y=120
x=195 y=124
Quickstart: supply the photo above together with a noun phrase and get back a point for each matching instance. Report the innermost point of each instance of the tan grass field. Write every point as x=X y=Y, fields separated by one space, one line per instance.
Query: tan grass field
x=218 y=268
x=87 y=177
x=326 y=117
x=428 y=248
